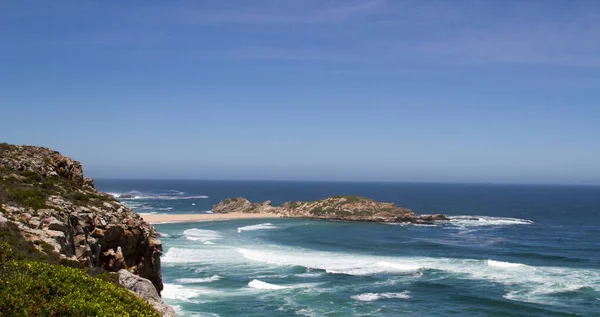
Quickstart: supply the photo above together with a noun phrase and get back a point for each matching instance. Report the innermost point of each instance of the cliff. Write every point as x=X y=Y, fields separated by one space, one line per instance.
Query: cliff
x=347 y=208
x=46 y=200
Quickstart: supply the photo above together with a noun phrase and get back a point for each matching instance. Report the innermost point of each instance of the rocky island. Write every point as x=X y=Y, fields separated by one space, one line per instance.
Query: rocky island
x=51 y=213
x=346 y=208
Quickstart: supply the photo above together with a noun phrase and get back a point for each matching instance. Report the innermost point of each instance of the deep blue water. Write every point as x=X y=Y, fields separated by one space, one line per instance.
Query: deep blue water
x=534 y=252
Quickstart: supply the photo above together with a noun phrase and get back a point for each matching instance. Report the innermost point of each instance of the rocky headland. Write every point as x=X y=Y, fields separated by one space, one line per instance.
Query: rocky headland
x=345 y=208
x=46 y=201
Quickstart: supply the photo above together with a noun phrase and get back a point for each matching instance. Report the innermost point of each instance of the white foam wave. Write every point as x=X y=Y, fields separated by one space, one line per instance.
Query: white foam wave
x=531 y=281
x=369 y=297
x=181 y=293
x=217 y=254
x=198 y=280
x=399 y=266
x=171 y=195
x=166 y=197
x=505 y=265
x=146 y=213
x=310 y=274
x=201 y=235
x=334 y=263
x=478 y=221
x=261 y=226
x=258 y=284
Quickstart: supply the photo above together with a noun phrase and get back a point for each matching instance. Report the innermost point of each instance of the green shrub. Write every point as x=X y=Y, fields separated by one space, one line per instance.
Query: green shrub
x=5 y=252
x=23 y=249
x=293 y=204
x=80 y=198
x=5 y=147
x=25 y=197
x=32 y=177
x=40 y=289
x=317 y=211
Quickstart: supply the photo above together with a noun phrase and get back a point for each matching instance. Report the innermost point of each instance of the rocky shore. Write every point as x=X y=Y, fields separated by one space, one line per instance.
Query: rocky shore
x=46 y=201
x=346 y=208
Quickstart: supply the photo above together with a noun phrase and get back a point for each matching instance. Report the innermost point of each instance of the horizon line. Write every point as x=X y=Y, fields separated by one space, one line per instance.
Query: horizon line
x=344 y=181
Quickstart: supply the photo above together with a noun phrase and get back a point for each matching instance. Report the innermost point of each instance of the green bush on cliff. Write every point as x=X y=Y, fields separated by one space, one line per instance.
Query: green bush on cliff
x=29 y=288
x=26 y=197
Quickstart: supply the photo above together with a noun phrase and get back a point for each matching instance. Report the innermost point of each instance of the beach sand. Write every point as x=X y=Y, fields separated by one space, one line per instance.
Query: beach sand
x=164 y=218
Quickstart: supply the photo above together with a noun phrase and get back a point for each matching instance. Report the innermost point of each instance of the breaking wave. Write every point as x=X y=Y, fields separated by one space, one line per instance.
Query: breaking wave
x=505 y=265
x=170 y=195
x=531 y=280
x=478 y=221
x=369 y=297
x=201 y=235
x=261 y=226
x=182 y=293
x=198 y=280
x=258 y=284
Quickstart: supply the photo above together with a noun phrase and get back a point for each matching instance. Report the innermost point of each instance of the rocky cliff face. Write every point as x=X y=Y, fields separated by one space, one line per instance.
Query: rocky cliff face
x=45 y=196
x=349 y=208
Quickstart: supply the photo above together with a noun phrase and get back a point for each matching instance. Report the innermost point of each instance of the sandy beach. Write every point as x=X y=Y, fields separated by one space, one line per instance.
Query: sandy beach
x=163 y=218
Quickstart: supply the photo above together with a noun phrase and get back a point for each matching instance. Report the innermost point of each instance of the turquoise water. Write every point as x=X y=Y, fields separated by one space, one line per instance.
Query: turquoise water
x=533 y=251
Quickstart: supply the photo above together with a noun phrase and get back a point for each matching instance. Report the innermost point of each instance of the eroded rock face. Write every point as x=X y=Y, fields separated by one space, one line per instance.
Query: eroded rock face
x=350 y=208
x=143 y=289
x=46 y=195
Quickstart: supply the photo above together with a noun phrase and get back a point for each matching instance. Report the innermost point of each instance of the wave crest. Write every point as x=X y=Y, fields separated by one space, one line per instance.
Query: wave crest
x=369 y=297
x=198 y=280
x=479 y=221
x=261 y=226
x=258 y=284
x=202 y=235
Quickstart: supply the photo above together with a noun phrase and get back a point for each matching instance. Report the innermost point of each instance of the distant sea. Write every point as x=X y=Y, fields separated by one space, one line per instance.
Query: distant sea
x=533 y=251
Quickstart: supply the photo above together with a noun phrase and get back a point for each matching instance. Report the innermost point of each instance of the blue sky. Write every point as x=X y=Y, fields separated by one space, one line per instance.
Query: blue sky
x=450 y=91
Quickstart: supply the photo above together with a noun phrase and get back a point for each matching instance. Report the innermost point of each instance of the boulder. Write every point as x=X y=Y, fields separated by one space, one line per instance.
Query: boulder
x=144 y=289
x=55 y=224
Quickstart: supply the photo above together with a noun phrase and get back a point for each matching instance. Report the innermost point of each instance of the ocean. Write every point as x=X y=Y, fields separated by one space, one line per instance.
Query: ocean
x=533 y=250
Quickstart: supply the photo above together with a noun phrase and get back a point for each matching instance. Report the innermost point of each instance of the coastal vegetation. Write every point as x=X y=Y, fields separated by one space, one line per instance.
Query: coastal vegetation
x=62 y=243
x=34 y=288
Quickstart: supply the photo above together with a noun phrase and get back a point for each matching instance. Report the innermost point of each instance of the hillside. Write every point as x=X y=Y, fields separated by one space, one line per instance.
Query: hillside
x=50 y=212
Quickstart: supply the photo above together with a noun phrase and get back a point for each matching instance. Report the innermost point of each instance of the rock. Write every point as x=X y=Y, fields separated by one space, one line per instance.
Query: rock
x=113 y=259
x=113 y=233
x=25 y=218
x=348 y=208
x=78 y=222
x=234 y=205
x=126 y=196
x=144 y=289
x=83 y=254
x=97 y=233
x=55 y=224
x=100 y=222
x=34 y=223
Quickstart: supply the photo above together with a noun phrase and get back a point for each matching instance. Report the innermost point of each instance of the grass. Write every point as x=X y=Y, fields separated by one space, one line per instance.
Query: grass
x=31 y=288
x=352 y=199
x=31 y=189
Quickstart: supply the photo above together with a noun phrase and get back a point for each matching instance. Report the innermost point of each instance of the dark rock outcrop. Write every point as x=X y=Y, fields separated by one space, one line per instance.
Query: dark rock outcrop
x=348 y=208
x=46 y=195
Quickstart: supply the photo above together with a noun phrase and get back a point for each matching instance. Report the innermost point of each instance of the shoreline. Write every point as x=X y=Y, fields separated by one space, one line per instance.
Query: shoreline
x=174 y=218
